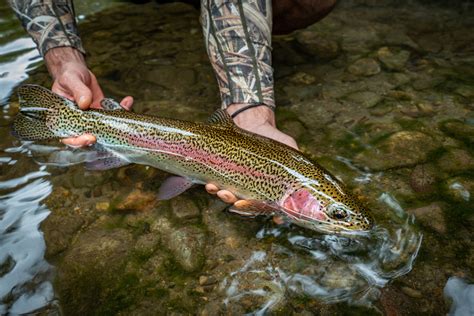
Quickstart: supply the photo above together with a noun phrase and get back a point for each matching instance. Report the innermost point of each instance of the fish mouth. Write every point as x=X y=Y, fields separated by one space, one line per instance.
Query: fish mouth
x=332 y=228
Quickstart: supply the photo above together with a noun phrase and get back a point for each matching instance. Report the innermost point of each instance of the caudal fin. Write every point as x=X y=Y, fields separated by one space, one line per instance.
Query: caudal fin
x=38 y=105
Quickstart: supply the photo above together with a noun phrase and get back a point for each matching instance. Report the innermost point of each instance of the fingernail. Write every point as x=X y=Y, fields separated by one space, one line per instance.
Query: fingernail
x=82 y=99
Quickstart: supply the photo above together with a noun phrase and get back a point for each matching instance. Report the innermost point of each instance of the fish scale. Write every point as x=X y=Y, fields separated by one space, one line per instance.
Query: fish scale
x=267 y=174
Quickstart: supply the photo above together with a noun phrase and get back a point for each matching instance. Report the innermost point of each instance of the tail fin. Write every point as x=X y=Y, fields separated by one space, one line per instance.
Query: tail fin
x=36 y=105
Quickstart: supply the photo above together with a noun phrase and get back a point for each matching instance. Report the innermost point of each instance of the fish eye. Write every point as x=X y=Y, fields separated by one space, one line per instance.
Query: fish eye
x=338 y=213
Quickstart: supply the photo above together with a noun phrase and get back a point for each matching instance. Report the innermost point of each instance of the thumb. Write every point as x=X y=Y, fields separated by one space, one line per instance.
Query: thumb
x=82 y=94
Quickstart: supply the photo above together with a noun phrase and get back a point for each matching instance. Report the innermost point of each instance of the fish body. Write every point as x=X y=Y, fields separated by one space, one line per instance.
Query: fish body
x=269 y=177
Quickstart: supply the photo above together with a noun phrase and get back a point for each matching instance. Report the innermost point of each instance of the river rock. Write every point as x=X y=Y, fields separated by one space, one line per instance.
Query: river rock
x=391 y=59
x=184 y=208
x=381 y=109
x=318 y=45
x=401 y=149
x=365 y=98
x=92 y=271
x=456 y=160
x=423 y=178
x=187 y=246
x=136 y=200
x=171 y=77
x=364 y=67
x=411 y=292
x=88 y=179
x=59 y=231
x=302 y=78
x=459 y=130
x=431 y=215
x=465 y=91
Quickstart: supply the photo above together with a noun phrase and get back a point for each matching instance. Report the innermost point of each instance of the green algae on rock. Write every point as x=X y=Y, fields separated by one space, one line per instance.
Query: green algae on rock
x=401 y=149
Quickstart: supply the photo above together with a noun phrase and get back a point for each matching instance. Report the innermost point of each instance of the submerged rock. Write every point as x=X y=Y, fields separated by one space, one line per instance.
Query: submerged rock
x=91 y=272
x=458 y=130
x=391 y=59
x=318 y=45
x=187 y=245
x=171 y=77
x=401 y=149
x=411 y=292
x=136 y=200
x=456 y=160
x=59 y=231
x=184 y=208
x=431 y=215
x=365 y=98
x=364 y=67
x=423 y=178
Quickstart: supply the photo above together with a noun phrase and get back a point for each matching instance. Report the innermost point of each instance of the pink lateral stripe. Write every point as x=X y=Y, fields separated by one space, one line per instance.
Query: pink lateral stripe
x=199 y=155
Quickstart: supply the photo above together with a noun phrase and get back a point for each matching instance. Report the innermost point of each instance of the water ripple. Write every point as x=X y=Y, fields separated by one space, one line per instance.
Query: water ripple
x=328 y=268
x=24 y=274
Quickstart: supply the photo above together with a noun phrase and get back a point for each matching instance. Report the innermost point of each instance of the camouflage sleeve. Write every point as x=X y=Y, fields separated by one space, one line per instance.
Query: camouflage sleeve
x=51 y=23
x=238 y=40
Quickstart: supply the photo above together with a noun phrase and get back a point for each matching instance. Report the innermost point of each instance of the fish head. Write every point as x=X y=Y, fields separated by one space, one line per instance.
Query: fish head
x=325 y=206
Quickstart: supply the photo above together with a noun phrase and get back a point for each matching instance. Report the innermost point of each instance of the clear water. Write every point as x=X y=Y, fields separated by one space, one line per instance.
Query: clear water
x=259 y=268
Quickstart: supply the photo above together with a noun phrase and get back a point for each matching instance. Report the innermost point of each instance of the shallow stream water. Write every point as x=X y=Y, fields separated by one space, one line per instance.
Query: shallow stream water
x=380 y=94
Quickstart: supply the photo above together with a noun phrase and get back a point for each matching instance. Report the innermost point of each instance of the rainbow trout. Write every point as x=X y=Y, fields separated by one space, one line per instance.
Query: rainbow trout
x=270 y=178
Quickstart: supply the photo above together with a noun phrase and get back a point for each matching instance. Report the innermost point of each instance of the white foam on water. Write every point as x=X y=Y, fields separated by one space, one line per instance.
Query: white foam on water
x=461 y=294
x=463 y=192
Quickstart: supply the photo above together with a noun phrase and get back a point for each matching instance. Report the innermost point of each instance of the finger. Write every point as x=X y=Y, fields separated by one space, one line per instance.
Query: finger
x=278 y=220
x=97 y=94
x=211 y=188
x=57 y=88
x=80 y=141
x=127 y=103
x=81 y=93
x=227 y=196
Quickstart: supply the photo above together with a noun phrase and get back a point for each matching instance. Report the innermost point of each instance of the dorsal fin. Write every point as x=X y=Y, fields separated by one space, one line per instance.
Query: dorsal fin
x=31 y=95
x=110 y=104
x=221 y=117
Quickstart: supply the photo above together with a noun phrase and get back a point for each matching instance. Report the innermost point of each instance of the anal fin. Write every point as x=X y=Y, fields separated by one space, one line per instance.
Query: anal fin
x=173 y=186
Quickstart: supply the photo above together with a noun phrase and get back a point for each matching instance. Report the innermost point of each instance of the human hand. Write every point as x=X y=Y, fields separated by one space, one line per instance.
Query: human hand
x=259 y=120
x=73 y=80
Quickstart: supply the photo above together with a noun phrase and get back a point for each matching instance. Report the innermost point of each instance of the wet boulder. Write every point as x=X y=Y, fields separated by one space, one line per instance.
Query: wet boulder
x=91 y=273
x=401 y=149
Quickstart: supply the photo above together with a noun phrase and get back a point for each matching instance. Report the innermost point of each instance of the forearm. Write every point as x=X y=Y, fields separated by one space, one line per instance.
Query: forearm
x=238 y=40
x=51 y=23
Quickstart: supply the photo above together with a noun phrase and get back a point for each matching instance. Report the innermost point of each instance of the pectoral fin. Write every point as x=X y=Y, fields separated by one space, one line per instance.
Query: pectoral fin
x=173 y=186
x=252 y=208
